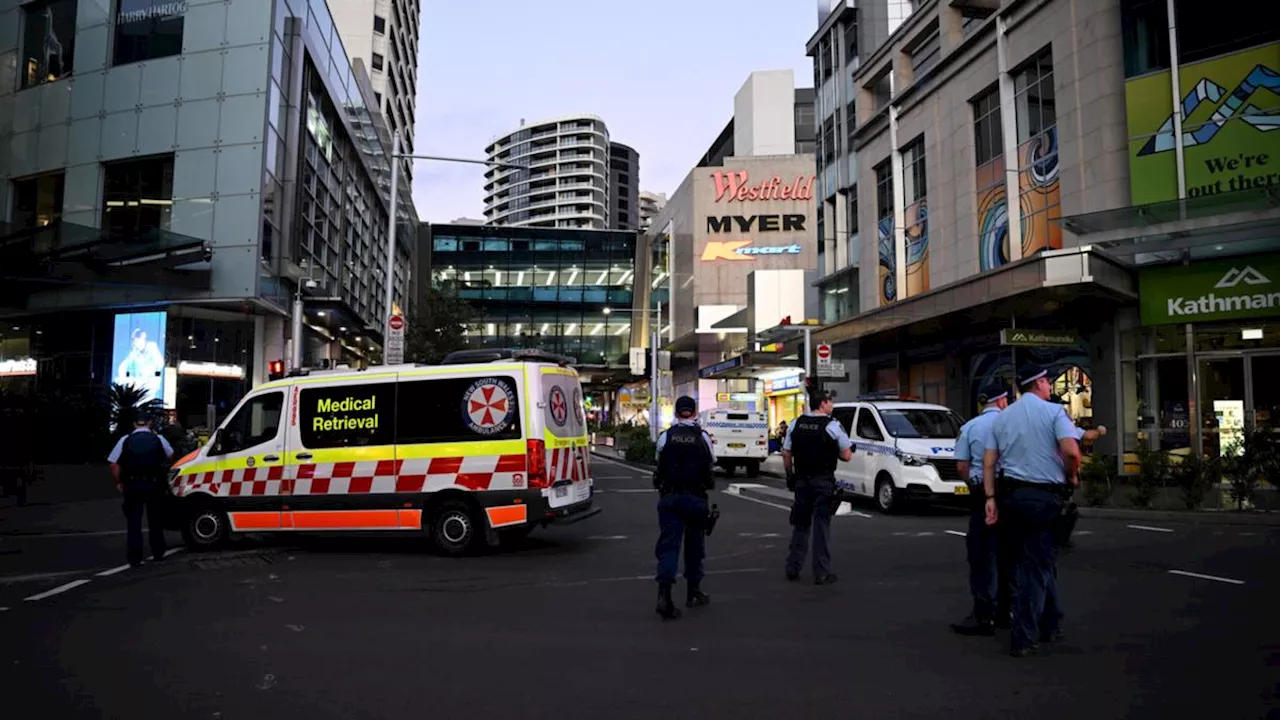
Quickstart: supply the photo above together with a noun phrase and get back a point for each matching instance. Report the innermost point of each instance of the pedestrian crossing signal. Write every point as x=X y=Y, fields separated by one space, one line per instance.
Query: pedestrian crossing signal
x=275 y=370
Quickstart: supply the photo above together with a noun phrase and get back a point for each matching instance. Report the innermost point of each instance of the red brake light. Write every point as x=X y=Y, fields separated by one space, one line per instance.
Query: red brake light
x=536 y=462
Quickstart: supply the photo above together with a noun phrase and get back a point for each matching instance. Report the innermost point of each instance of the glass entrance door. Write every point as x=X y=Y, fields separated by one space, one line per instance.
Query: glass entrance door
x=1264 y=385
x=1223 y=403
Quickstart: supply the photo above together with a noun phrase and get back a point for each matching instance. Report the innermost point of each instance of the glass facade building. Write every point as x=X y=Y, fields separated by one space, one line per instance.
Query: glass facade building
x=565 y=291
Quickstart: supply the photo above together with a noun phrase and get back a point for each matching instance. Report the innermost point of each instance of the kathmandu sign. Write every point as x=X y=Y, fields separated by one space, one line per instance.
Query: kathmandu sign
x=1237 y=289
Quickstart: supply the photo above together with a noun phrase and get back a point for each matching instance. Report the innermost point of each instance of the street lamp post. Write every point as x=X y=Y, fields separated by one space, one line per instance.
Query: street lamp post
x=396 y=156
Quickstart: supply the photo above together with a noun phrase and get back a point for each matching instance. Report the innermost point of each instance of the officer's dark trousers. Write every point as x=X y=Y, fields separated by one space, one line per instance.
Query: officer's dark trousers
x=681 y=517
x=1028 y=514
x=991 y=560
x=140 y=496
x=811 y=511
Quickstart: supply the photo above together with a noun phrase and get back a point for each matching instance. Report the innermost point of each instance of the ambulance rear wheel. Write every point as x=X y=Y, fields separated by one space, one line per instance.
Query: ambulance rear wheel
x=454 y=528
x=204 y=527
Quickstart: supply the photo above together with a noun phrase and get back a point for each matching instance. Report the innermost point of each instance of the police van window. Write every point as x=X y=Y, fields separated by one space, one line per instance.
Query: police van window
x=867 y=427
x=921 y=423
x=471 y=409
x=257 y=422
x=347 y=415
x=845 y=417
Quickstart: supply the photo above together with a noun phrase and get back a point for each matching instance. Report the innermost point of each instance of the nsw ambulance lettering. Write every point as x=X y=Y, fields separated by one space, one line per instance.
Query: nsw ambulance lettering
x=349 y=413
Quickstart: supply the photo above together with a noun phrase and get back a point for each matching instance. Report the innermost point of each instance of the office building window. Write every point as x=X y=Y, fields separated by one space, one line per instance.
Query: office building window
x=987 y=134
x=851 y=45
x=993 y=223
x=884 y=190
x=379 y=25
x=913 y=173
x=915 y=217
x=137 y=198
x=148 y=29
x=1037 y=155
x=37 y=201
x=885 y=251
x=376 y=61
x=1209 y=29
x=851 y=211
x=48 y=41
x=926 y=52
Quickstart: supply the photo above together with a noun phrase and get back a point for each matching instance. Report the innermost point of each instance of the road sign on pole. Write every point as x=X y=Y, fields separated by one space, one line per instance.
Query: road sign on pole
x=394 y=350
x=824 y=355
x=831 y=370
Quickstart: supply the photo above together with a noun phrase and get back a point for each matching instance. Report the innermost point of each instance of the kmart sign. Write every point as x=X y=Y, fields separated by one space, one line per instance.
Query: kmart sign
x=1247 y=287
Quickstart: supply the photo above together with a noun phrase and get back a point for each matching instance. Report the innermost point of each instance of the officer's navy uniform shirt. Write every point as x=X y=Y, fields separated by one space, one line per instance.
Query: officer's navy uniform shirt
x=834 y=429
x=114 y=457
x=975 y=438
x=1026 y=435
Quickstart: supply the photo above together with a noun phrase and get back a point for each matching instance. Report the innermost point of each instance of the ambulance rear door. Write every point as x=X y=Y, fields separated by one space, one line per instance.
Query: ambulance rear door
x=565 y=435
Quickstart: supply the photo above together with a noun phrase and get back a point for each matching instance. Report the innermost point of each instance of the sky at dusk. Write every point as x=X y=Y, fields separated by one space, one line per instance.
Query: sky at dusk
x=661 y=74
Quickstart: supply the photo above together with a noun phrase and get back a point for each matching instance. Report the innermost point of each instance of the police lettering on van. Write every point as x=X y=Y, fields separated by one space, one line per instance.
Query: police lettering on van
x=446 y=450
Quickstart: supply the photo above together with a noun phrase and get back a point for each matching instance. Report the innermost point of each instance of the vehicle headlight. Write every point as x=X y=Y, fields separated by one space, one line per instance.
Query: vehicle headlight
x=912 y=460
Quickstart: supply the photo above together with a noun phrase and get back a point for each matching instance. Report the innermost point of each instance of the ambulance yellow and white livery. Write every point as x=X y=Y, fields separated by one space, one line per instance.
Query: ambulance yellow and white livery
x=489 y=443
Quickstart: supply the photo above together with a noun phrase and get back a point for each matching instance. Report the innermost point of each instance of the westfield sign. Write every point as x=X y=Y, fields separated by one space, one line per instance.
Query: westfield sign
x=736 y=186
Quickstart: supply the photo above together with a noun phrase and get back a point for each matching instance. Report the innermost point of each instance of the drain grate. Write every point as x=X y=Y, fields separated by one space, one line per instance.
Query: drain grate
x=237 y=560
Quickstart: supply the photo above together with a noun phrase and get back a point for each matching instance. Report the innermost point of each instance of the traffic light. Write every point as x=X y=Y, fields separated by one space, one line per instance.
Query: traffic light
x=275 y=370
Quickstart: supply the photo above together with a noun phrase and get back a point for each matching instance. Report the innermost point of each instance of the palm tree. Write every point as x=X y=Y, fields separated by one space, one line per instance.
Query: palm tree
x=128 y=403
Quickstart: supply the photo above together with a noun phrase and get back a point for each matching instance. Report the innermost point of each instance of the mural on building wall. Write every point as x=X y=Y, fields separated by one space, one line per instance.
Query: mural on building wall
x=1038 y=193
x=993 y=216
x=888 y=261
x=1069 y=367
x=917 y=237
x=1039 y=201
x=1230 y=108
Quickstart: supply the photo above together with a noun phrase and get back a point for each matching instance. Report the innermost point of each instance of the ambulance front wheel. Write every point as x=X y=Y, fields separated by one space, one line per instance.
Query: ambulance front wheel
x=454 y=528
x=204 y=526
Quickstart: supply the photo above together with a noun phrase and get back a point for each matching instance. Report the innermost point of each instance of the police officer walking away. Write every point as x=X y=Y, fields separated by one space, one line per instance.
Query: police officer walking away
x=988 y=572
x=813 y=444
x=1034 y=443
x=685 y=459
x=138 y=464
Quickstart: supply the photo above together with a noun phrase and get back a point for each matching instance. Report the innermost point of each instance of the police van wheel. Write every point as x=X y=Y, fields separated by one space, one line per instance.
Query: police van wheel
x=205 y=527
x=886 y=495
x=454 y=528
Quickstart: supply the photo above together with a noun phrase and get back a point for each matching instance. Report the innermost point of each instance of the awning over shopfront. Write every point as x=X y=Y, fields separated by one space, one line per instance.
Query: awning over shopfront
x=748 y=365
x=1037 y=286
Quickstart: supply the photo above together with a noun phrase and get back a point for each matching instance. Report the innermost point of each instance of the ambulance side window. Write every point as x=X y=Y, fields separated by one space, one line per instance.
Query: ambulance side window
x=868 y=428
x=466 y=409
x=347 y=415
x=257 y=422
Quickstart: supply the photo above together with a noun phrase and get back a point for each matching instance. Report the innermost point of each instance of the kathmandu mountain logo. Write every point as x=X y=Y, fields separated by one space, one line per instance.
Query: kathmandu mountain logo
x=1248 y=276
x=1235 y=105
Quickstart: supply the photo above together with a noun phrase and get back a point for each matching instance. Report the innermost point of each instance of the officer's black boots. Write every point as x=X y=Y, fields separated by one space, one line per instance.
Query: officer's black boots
x=697 y=598
x=666 y=607
x=973 y=626
x=827 y=579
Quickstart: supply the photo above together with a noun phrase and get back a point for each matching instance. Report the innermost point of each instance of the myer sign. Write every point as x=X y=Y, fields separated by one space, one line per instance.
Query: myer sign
x=1247 y=287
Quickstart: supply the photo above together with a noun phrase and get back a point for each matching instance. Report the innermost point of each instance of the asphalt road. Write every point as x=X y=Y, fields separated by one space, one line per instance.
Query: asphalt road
x=563 y=625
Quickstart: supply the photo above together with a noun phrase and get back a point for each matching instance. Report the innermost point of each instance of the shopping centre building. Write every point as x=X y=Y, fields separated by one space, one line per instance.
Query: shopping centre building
x=1141 y=258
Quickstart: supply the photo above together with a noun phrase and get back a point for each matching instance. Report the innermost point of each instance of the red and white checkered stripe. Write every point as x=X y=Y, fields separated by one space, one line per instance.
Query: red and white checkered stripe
x=567 y=464
x=487 y=472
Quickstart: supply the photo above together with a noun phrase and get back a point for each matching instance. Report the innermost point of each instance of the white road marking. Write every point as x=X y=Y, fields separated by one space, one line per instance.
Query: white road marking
x=41 y=536
x=606 y=537
x=112 y=571
x=4 y=609
x=60 y=589
x=761 y=502
x=576 y=583
x=759 y=535
x=924 y=534
x=1083 y=532
x=1149 y=528
x=627 y=490
x=13 y=579
x=173 y=551
x=1215 y=578
x=613 y=477
x=957 y=532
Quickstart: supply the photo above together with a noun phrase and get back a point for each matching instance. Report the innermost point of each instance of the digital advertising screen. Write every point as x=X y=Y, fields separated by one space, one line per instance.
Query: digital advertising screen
x=137 y=352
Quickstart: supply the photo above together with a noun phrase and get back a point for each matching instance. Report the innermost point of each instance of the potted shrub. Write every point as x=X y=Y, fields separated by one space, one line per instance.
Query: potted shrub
x=1098 y=476
x=1195 y=477
x=1153 y=472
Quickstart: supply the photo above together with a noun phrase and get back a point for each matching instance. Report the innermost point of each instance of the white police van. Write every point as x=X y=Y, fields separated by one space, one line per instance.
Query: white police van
x=904 y=450
x=739 y=438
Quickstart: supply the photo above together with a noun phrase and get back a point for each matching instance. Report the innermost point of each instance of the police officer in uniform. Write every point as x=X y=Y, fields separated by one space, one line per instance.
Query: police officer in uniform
x=139 y=462
x=1034 y=444
x=813 y=444
x=685 y=460
x=988 y=573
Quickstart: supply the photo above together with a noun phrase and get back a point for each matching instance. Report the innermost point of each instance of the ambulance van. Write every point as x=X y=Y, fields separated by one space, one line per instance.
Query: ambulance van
x=488 y=444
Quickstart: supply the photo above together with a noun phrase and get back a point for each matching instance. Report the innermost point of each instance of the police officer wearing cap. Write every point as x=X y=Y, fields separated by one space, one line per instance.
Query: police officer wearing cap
x=685 y=460
x=988 y=575
x=1033 y=443
x=139 y=462
x=814 y=443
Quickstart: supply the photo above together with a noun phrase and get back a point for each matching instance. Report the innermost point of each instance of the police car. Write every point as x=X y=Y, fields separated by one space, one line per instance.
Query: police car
x=740 y=439
x=904 y=450
x=488 y=442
